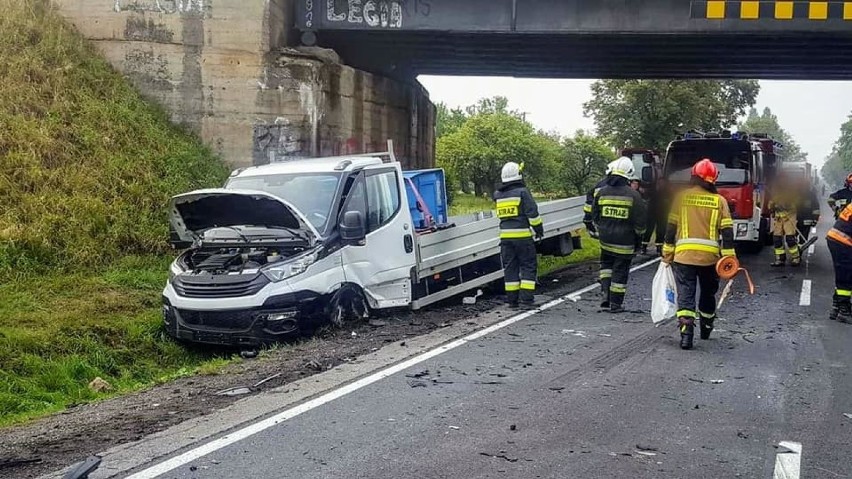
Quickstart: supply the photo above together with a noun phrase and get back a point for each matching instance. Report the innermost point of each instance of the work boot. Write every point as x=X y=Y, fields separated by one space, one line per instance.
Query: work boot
x=687 y=332
x=616 y=308
x=835 y=311
x=844 y=313
x=706 y=327
x=796 y=261
x=779 y=262
x=605 y=304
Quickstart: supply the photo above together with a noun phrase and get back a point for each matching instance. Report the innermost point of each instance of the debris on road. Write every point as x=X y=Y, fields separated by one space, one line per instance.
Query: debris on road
x=415 y=383
x=472 y=299
x=647 y=448
x=419 y=375
x=377 y=323
x=248 y=353
x=270 y=378
x=454 y=428
x=847 y=415
x=238 y=391
x=502 y=455
x=717 y=381
x=513 y=427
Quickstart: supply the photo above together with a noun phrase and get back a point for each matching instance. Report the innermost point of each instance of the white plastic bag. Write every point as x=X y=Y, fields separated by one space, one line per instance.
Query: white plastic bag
x=664 y=294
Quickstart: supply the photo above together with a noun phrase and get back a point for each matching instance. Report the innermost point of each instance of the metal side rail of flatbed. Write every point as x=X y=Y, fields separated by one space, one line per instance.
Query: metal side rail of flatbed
x=475 y=239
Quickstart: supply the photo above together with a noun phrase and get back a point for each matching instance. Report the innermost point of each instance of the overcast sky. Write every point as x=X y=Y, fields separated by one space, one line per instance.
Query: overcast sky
x=811 y=111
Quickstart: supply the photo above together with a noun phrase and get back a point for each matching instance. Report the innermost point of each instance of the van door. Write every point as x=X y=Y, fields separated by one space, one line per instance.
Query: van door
x=382 y=265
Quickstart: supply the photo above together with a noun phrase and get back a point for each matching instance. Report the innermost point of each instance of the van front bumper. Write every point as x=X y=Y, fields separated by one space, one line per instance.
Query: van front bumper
x=279 y=317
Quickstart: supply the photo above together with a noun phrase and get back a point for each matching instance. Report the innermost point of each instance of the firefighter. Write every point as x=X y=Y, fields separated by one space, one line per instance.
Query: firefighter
x=698 y=218
x=783 y=204
x=519 y=222
x=618 y=213
x=840 y=246
x=590 y=199
x=842 y=197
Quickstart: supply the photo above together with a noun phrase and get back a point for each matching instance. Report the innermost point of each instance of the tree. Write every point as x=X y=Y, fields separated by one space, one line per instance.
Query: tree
x=768 y=123
x=649 y=113
x=839 y=163
x=477 y=151
x=583 y=163
x=448 y=120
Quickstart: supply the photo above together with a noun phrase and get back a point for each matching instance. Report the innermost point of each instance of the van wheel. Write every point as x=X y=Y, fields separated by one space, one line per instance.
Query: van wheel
x=346 y=305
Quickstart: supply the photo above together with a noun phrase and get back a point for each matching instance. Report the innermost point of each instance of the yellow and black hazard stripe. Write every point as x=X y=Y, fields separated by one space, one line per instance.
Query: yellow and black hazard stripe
x=771 y=10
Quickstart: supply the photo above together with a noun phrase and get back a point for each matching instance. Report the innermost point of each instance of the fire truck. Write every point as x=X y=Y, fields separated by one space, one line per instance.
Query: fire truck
x=746 y=163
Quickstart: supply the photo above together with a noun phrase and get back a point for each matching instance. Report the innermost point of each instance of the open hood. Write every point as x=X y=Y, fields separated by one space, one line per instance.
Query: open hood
x=190 y=214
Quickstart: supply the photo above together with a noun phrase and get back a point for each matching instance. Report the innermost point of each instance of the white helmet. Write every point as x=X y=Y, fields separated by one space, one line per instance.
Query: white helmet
x=610 y=166
x=623 y=167
x=511 y=172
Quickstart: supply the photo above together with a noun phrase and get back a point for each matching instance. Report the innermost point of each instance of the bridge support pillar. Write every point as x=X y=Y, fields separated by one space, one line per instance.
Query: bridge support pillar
x=226 y=71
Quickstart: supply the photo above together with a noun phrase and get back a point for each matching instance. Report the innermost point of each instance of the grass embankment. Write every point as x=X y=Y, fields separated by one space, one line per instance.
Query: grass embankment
x=466 y=204
x=86 y=170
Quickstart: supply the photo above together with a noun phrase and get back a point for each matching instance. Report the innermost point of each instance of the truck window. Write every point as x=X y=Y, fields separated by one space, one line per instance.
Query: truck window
x=734 y=160
x=382 y=198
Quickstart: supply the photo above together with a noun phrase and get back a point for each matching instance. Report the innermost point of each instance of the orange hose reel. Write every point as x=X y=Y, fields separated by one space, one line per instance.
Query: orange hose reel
x=729 y=267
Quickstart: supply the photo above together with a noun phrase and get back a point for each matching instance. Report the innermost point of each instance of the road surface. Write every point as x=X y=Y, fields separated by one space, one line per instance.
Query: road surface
x=569 y=392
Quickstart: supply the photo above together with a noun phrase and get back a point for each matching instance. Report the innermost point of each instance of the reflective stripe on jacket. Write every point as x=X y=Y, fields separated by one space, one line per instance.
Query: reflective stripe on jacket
x=697 y=220
x=518 y=212
x=619 y=214
x=842 y=230
x=839 y=200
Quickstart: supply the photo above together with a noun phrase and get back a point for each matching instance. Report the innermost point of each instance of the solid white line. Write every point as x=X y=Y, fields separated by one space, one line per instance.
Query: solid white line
x=788 y=462
x=252 y=429
x=575 y=296
x=812 y=248
x=805 y=297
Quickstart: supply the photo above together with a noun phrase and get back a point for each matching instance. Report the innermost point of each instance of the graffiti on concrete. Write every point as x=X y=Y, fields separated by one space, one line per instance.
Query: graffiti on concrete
x=275 y=141
x=162 y=6
x=372 y=13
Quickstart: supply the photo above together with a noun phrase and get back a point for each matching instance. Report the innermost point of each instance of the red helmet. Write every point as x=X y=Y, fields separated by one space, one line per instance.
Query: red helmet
x=706 y=170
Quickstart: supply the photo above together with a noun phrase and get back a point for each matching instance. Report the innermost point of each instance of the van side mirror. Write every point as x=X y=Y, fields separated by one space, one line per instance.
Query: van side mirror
x=352 y=228
x=647 y=174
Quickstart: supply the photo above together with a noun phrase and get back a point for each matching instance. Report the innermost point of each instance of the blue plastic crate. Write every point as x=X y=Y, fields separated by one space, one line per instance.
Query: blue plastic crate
x=431 y=186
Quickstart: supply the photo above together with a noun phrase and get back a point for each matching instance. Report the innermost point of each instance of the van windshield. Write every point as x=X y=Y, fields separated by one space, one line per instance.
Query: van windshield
x=732 y=158
x=311 y=193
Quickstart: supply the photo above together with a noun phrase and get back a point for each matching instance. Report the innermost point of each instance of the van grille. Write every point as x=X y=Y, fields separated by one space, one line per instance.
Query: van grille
x=221 y=286
x=231 y=320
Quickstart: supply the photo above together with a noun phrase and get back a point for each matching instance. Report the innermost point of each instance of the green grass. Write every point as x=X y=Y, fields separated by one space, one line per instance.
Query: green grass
x=86 y=165
x=60 y=331
x=86 y=171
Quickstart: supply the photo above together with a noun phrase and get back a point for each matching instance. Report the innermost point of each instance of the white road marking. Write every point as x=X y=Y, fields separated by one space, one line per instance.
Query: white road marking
x=805 y=297
x=788 y=461
x=812 y=248
x=575 y=296
x=252 y=429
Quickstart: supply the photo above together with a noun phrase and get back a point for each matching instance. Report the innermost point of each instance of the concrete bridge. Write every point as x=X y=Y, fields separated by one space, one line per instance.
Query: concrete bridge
x=260 y=80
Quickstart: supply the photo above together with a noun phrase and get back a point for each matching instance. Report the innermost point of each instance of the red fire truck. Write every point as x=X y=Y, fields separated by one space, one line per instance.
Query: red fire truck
x=747 y=164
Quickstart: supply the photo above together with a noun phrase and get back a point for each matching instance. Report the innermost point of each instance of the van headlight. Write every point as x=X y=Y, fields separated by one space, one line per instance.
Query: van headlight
x=291 y=267
x=742 y=230
x=175 y=269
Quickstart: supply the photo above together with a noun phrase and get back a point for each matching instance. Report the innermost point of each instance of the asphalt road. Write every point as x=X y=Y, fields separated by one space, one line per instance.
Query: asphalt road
x=574 y=393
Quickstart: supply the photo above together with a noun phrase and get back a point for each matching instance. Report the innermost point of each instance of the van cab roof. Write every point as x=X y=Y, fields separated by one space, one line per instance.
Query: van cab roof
x=310 y=165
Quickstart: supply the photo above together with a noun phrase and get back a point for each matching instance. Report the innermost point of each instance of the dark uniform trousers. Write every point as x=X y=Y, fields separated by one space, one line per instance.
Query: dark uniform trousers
x=519 y=268
x=696 y=280
x=615 y=269
x=841 y=256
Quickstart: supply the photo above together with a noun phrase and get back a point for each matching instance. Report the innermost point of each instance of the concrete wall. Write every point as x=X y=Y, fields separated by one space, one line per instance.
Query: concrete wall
x=222 y=68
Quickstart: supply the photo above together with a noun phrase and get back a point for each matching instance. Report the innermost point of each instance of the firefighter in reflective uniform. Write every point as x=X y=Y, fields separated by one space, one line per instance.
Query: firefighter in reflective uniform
x=519 y=218
x=784 y=204
x=840 y=246
x=842 y=197
x=699 y=217
x=619 y=216
x=590 y=199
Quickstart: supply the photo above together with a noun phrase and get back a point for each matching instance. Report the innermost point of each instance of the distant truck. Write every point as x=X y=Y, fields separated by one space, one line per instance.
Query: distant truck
x=328 y=239
x=747 y=165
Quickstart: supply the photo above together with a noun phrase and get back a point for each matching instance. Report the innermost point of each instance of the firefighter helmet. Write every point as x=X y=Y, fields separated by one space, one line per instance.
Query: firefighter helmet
x=623 y=167
x=511 y=172
x=706 y=170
